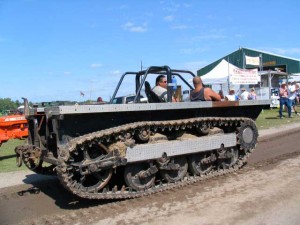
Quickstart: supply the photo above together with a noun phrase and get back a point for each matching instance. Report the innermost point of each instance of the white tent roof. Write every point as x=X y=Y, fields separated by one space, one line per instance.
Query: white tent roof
x=219 y=74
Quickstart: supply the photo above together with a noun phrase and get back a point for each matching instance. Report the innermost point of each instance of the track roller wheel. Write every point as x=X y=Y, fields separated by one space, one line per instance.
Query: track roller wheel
x=201 y=163
x=140 y=176
x=228 y=157
x=177 y=171
x=142 y=135
x=203 y=129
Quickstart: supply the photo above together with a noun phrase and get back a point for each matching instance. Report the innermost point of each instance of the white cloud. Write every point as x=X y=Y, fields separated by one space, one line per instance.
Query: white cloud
x=134 y=28
x=169 y=18
x=138 y=29
x=67 y=73
x=170 y=6
x=115 y=72
x=95 y=65
x=128 y=25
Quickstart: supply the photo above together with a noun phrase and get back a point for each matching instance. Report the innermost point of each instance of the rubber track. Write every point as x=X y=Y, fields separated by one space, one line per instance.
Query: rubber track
x=112 y=133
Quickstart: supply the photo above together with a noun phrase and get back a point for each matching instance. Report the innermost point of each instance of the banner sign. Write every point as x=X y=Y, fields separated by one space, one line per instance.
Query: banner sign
x=244 y=76
x=252 y=60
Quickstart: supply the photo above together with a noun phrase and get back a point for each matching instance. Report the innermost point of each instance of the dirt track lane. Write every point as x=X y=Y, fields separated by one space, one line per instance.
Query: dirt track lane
x=266 y=191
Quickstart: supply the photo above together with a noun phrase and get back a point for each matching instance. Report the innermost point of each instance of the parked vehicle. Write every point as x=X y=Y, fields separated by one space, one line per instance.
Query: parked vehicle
x=13 y=126
x=127 y=99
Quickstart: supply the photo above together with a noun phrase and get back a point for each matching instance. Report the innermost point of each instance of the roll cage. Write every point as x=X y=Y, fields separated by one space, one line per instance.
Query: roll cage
x=141 y=76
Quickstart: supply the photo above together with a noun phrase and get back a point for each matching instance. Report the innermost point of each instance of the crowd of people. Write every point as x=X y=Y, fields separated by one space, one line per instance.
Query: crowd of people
x=207 y=94
x=244 y=95
x=289 y=94
x=202 y=93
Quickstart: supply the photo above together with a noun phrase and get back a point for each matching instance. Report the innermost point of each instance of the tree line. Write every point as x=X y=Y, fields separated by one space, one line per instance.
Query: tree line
x=7 y=105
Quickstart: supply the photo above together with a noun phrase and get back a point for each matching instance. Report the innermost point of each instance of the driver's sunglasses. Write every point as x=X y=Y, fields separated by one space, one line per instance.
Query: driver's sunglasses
x=164 y=81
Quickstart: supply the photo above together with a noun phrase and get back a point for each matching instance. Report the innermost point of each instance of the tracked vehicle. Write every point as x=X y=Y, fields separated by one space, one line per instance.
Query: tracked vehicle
x=119 y=151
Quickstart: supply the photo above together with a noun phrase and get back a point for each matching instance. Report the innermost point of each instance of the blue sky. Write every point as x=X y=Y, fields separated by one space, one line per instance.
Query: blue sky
x=53 y=50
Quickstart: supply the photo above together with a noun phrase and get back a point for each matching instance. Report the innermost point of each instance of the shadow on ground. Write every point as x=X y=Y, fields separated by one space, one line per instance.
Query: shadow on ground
x=51 y=187
x=7 y=157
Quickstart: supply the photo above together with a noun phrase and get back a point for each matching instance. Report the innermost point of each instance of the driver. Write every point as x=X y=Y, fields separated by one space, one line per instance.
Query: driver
x=161 y=88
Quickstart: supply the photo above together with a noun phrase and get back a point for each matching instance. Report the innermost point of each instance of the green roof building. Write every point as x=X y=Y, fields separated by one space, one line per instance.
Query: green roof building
x=267 y=61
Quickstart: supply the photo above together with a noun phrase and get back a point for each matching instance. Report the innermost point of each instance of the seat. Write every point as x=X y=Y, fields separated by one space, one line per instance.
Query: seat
x=152 y=97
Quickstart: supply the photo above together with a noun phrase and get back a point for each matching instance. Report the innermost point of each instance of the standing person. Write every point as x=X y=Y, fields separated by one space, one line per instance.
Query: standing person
x=298 y=94
x=252 y=94
x=292 y=95
x=289 y=84
x=284 y=100
x=245 y=94
x=203 y=93
x=161 y=88
x=231 y=96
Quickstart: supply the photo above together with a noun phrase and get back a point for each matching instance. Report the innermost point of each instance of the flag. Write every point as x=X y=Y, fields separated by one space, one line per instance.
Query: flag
x=252 y=60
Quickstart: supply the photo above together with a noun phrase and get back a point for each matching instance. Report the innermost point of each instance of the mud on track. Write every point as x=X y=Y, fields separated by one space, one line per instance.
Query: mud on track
x=266 y=191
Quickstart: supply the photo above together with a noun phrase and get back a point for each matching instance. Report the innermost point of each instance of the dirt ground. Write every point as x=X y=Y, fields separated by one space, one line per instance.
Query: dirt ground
x=265 y=191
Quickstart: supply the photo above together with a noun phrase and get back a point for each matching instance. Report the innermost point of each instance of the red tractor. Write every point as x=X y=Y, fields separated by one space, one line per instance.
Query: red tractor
x=13 y=126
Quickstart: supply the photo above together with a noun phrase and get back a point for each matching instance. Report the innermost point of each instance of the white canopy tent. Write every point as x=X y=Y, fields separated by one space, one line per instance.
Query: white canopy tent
x=226 y=75
x=218 y=77
x=219 y=74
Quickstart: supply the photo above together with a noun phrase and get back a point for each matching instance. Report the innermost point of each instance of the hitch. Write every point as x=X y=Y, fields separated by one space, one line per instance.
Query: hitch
x=19 y=156
x=30 y=155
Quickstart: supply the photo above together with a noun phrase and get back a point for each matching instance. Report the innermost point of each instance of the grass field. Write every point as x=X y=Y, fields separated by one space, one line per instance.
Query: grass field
x=8 y=156
x=268 y=118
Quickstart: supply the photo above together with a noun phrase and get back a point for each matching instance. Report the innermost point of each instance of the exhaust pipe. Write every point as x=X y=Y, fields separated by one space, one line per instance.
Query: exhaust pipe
x=26 y=107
